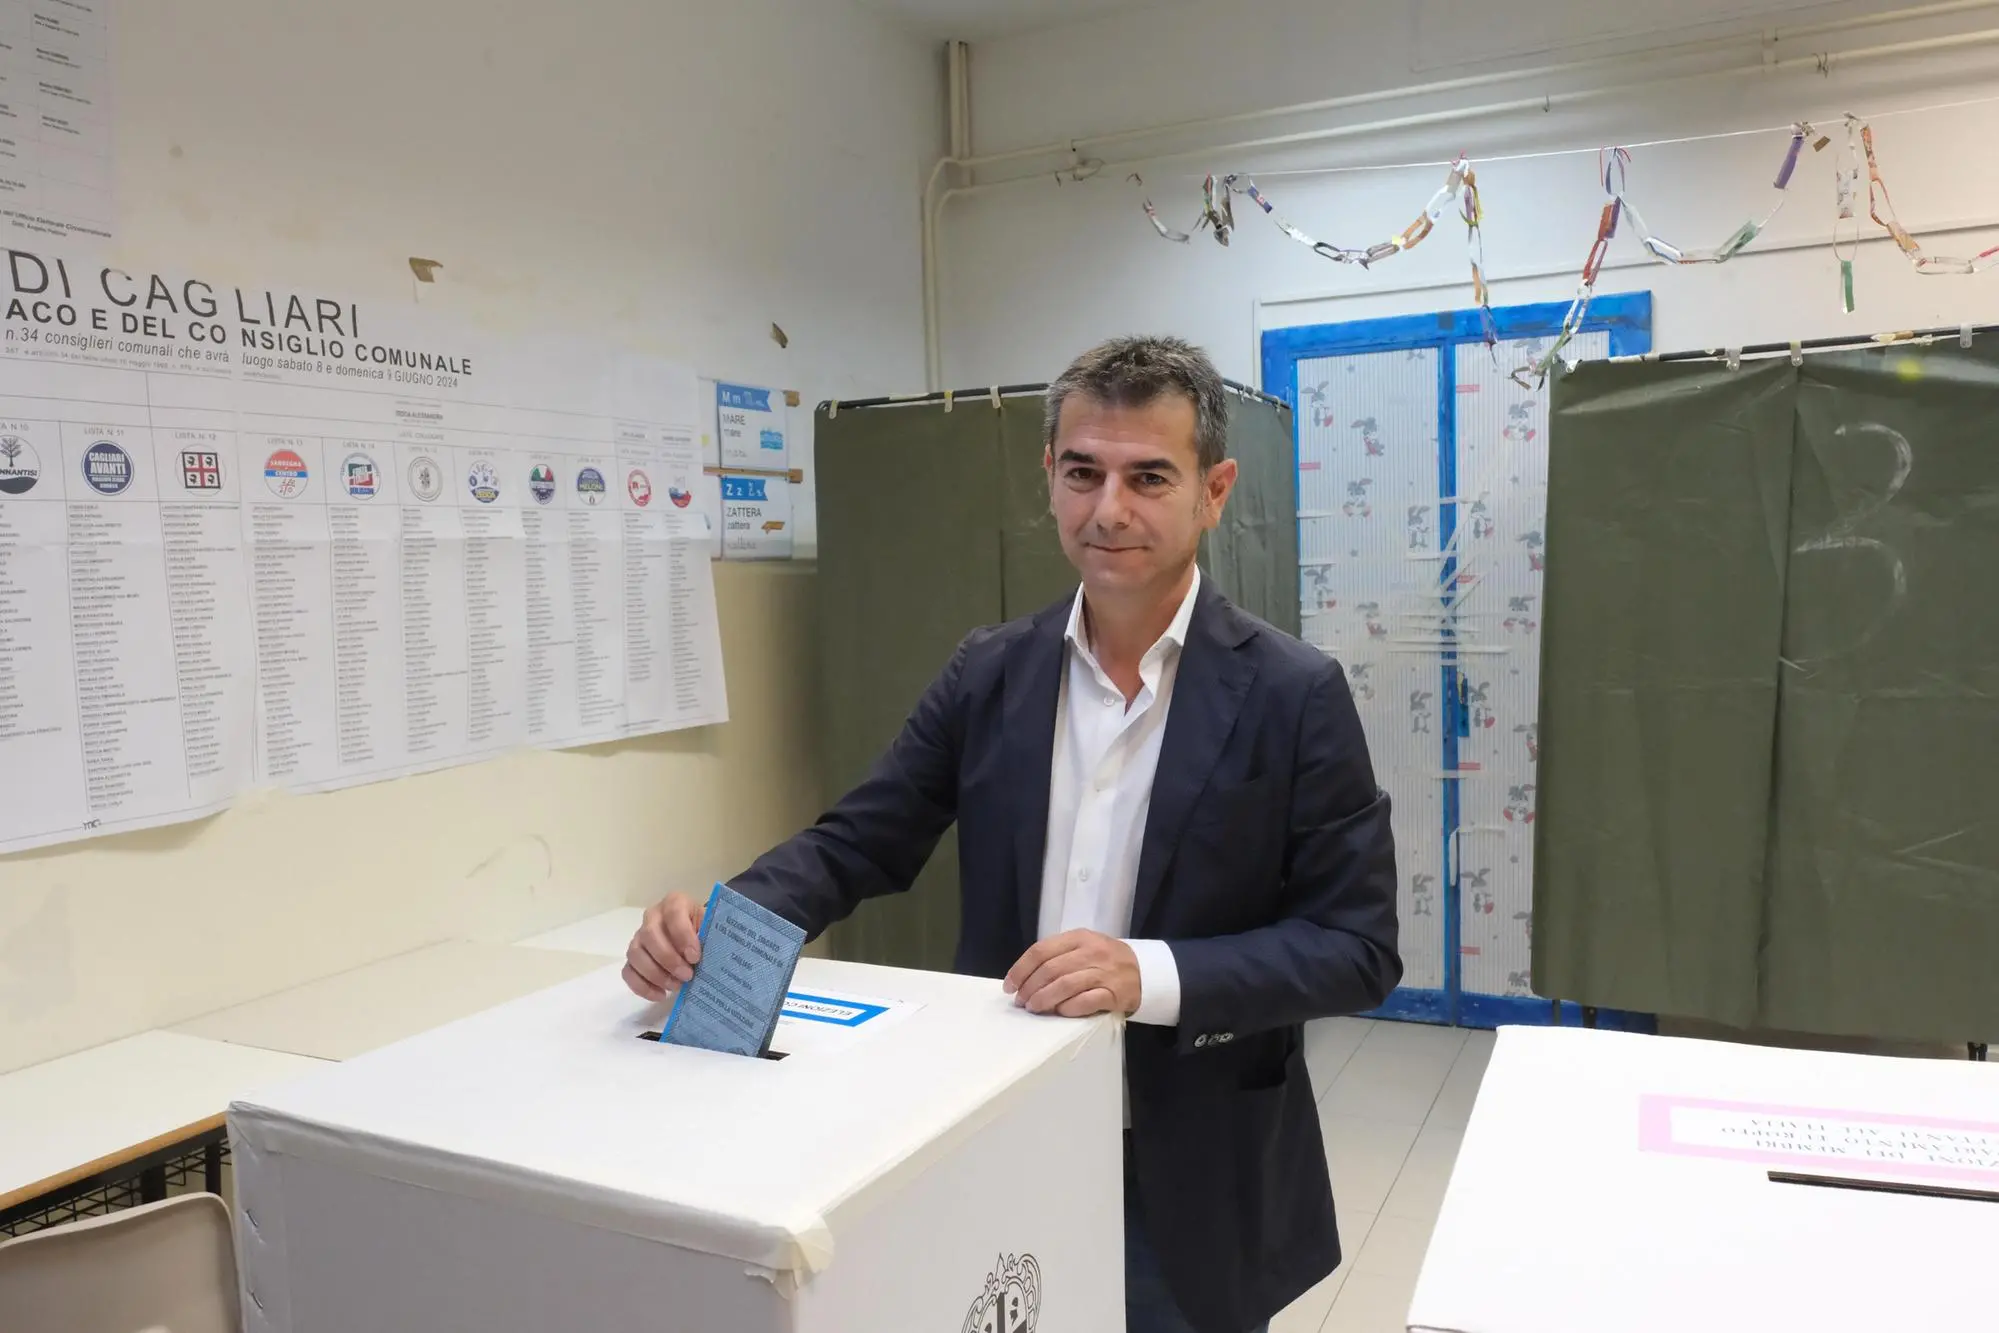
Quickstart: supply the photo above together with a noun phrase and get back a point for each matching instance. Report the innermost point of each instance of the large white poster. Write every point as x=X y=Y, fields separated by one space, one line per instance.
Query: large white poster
x=261 y=538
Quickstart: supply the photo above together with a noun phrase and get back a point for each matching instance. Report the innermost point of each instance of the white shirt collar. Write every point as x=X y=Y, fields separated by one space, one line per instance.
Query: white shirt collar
x=1175 y=635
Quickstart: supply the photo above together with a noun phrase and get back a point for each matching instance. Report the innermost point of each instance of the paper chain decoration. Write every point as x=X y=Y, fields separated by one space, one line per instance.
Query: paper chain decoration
x=1877 y=200
x=1461 y=186
x=1612 y=166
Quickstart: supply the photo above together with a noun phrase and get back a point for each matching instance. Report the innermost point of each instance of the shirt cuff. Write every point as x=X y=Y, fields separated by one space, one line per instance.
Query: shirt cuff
x=1158 y=983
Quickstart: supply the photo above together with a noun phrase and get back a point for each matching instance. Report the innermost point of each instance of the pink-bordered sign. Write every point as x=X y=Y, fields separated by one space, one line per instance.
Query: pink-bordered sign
x=1909 y=1147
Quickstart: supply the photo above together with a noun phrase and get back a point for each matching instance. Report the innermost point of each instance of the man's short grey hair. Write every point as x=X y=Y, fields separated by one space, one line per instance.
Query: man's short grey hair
x=1135 y=371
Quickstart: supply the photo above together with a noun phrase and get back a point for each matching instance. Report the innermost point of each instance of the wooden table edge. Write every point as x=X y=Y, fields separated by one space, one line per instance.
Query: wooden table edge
x=110 y=1161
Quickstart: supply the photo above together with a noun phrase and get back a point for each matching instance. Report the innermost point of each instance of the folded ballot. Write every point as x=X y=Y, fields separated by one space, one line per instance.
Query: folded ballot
x=748 y=954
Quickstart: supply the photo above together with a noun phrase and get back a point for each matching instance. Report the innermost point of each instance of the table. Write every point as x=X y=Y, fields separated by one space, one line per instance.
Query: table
x=125 y=1109
x=79 y=1122
x=607 y=934
x=342 y=1016
x=1612 y=1180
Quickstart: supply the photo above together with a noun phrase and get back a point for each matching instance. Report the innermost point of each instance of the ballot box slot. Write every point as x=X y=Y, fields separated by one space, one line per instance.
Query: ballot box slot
x=767 y=1055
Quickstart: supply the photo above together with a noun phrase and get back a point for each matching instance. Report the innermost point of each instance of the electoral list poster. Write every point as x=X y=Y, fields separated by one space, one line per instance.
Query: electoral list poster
x=253 y=537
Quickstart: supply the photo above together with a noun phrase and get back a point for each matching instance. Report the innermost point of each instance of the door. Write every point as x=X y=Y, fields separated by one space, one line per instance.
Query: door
x=1422 y=493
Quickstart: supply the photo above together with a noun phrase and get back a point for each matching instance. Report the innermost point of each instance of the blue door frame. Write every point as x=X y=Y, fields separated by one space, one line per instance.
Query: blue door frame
x=1627 y=318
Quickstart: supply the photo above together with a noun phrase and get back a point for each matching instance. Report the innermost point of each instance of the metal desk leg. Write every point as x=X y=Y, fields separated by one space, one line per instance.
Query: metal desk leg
x=153 y=1184
x=211 y=1168
x=1589 y=1015
x=1977 y=1050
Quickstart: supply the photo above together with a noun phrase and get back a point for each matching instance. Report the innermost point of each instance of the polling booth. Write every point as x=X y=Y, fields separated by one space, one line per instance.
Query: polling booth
x=1612 y=1180
x=915 y=1152
x=1770 y=691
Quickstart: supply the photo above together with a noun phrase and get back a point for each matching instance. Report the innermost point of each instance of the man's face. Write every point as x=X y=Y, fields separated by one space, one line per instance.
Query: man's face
x=1126 y=488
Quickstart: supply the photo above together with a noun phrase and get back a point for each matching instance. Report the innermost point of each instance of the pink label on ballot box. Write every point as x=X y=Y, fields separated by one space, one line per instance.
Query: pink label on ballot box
x=1908 y=1147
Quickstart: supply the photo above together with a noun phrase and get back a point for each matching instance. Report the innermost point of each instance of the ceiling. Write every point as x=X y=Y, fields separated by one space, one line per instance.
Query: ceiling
x=982 y=20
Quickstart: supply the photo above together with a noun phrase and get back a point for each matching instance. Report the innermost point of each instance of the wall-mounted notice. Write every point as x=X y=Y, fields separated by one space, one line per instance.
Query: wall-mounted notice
x=749 y=427
x=756 y=518
x=55 y=119
x=256 y=537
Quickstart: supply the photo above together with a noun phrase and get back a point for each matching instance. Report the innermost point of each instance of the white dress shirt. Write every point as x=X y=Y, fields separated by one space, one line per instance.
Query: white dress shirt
x=1099 y=790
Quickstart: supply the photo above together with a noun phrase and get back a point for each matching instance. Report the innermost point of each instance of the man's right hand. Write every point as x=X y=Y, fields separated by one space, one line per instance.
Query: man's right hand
x=666 y=947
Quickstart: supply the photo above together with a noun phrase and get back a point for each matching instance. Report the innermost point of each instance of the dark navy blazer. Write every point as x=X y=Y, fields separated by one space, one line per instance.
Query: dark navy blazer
x=1267 y=865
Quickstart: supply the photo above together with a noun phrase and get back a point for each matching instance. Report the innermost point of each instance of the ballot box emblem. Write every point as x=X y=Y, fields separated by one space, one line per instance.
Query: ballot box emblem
x=426 y=478
x=20 y=466
x=1011 y=1301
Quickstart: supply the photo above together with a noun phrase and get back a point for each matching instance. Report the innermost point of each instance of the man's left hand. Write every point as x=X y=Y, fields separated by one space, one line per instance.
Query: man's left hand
x=1076 y=974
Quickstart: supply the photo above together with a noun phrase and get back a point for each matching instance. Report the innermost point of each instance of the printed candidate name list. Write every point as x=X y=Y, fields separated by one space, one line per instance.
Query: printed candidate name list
x=265 y=538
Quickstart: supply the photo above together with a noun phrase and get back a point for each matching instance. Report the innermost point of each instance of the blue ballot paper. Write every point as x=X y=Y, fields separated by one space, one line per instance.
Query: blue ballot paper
x=748 y=954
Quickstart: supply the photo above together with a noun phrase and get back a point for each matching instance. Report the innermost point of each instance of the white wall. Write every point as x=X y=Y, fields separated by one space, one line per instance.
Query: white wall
x=666 y=175
x=1034 y=272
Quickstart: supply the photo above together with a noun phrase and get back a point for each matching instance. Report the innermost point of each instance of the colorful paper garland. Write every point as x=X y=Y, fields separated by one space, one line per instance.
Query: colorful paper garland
x=1461 y=186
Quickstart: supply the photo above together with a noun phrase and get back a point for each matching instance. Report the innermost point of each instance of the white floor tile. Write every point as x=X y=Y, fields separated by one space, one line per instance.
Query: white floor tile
x=1354 y=1227
x=1460 y=1090
x=1309 y=1311
x=1393 y=1117
x=1329 y=1044
x=1364 y=1157
x=1419 y=1188
x=1372 y=1307
x=1416 y=1039
x=1395 y=1247
x=1389 y=1084
x=1375 y=1296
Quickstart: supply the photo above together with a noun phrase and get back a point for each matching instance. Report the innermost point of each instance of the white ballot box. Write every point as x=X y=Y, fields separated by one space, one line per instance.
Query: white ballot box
x=1613 y=1181
x=926 y=1156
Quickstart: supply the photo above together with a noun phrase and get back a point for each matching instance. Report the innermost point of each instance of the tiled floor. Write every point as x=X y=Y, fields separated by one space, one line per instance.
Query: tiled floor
x=1393 y=1102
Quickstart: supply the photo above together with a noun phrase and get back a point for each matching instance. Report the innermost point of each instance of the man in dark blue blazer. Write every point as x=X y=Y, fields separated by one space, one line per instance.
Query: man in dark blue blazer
x=1165 y=809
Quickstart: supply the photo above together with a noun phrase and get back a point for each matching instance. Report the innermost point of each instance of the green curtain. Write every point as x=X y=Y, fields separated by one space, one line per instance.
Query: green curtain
x=934 y=522
x=1253 y=554
x=1770 y=685
x=910 y=511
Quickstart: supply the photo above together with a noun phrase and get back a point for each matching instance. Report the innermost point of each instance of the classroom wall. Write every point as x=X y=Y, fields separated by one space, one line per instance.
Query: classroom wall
x=664 y=175
x=1033 y=272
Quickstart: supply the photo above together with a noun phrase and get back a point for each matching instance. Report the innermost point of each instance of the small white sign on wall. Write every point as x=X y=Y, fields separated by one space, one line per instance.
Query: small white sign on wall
x=756 y=518
x=749 y=428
